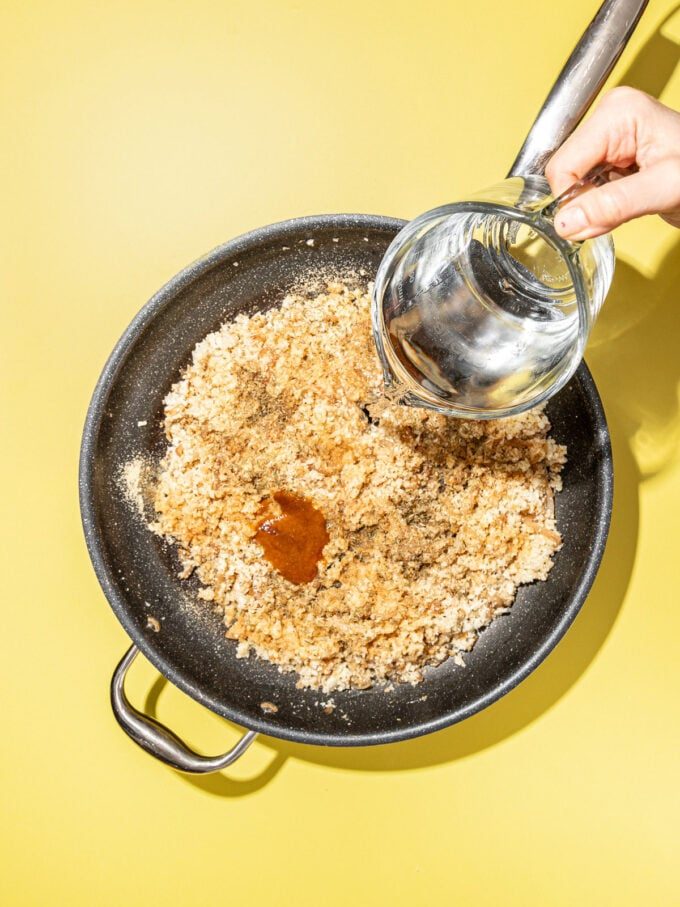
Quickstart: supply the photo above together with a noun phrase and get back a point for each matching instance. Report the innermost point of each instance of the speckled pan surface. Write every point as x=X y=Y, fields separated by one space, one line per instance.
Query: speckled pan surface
x=138 y=572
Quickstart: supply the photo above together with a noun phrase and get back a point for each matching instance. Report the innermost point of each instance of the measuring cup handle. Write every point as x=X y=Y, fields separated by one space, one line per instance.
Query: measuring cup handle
x=577 y=85
x=597 y=176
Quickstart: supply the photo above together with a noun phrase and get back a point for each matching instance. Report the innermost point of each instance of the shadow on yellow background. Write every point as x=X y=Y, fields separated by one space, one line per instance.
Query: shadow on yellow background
x=634 y=357
x=639 y=325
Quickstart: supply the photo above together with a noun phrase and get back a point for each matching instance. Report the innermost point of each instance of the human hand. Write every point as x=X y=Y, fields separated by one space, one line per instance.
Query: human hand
x=627 y=128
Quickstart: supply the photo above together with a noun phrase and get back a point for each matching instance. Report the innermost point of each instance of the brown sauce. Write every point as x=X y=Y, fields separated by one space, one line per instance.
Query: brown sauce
x=294 y=541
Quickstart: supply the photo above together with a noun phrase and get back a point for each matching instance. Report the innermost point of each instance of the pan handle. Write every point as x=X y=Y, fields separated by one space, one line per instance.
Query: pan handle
x=160 y=741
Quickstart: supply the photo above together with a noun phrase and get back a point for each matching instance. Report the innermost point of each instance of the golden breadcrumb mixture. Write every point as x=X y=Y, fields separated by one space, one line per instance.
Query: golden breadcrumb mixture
x=432 y=522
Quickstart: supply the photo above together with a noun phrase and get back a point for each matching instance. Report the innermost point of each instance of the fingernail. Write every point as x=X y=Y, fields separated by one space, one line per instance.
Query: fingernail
x=571 y=220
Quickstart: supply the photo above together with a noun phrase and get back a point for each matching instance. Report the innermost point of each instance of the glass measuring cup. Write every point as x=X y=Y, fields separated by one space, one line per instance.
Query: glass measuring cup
x=480 y=309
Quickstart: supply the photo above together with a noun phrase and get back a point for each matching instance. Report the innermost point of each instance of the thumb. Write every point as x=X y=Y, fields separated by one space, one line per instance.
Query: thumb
x=596 y=211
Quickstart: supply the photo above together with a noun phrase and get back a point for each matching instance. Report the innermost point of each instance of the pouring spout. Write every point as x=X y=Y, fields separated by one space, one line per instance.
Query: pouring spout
x=577 y=86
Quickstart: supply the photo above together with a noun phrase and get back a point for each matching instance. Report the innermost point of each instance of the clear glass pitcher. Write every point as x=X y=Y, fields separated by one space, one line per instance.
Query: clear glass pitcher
x=480 y=309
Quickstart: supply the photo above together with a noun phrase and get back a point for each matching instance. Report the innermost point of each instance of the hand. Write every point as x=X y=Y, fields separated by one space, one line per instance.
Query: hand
x=628 y=127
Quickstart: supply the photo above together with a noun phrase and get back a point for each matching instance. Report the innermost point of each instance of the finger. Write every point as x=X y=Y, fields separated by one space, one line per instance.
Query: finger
x=583 y=150
x=608 y=135
x=654 y=190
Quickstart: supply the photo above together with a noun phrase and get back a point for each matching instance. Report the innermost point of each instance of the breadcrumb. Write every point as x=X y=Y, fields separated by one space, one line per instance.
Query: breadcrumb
x=433 y=522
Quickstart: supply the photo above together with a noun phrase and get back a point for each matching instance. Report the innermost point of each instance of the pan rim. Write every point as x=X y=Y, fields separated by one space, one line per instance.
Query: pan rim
x=96 y=411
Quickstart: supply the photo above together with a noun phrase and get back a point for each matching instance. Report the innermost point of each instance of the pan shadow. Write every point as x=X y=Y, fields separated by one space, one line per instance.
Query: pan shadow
x=634 y=359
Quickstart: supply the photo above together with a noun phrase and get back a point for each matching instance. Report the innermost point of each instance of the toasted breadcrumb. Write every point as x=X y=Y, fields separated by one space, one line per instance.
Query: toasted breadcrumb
x=153 y=623
x=434 y=522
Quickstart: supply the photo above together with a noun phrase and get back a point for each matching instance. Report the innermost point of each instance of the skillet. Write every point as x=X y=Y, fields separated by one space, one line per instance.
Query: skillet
x=138 y=571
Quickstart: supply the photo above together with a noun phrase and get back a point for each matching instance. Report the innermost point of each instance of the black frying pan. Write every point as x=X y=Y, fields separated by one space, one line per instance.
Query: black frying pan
x=135 y=567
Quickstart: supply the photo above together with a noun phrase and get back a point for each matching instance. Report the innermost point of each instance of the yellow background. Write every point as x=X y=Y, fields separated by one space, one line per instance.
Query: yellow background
x=135 y=137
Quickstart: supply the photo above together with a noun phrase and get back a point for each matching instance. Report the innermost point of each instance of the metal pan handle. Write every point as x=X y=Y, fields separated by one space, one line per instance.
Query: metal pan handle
x=158 y=740
x=583 y=75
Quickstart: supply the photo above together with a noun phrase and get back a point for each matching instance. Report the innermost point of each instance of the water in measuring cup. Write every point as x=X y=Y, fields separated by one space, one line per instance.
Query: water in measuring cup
x=480 y=311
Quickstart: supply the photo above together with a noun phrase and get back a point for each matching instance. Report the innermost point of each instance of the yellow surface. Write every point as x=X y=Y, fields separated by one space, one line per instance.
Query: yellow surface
x=135 y=137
